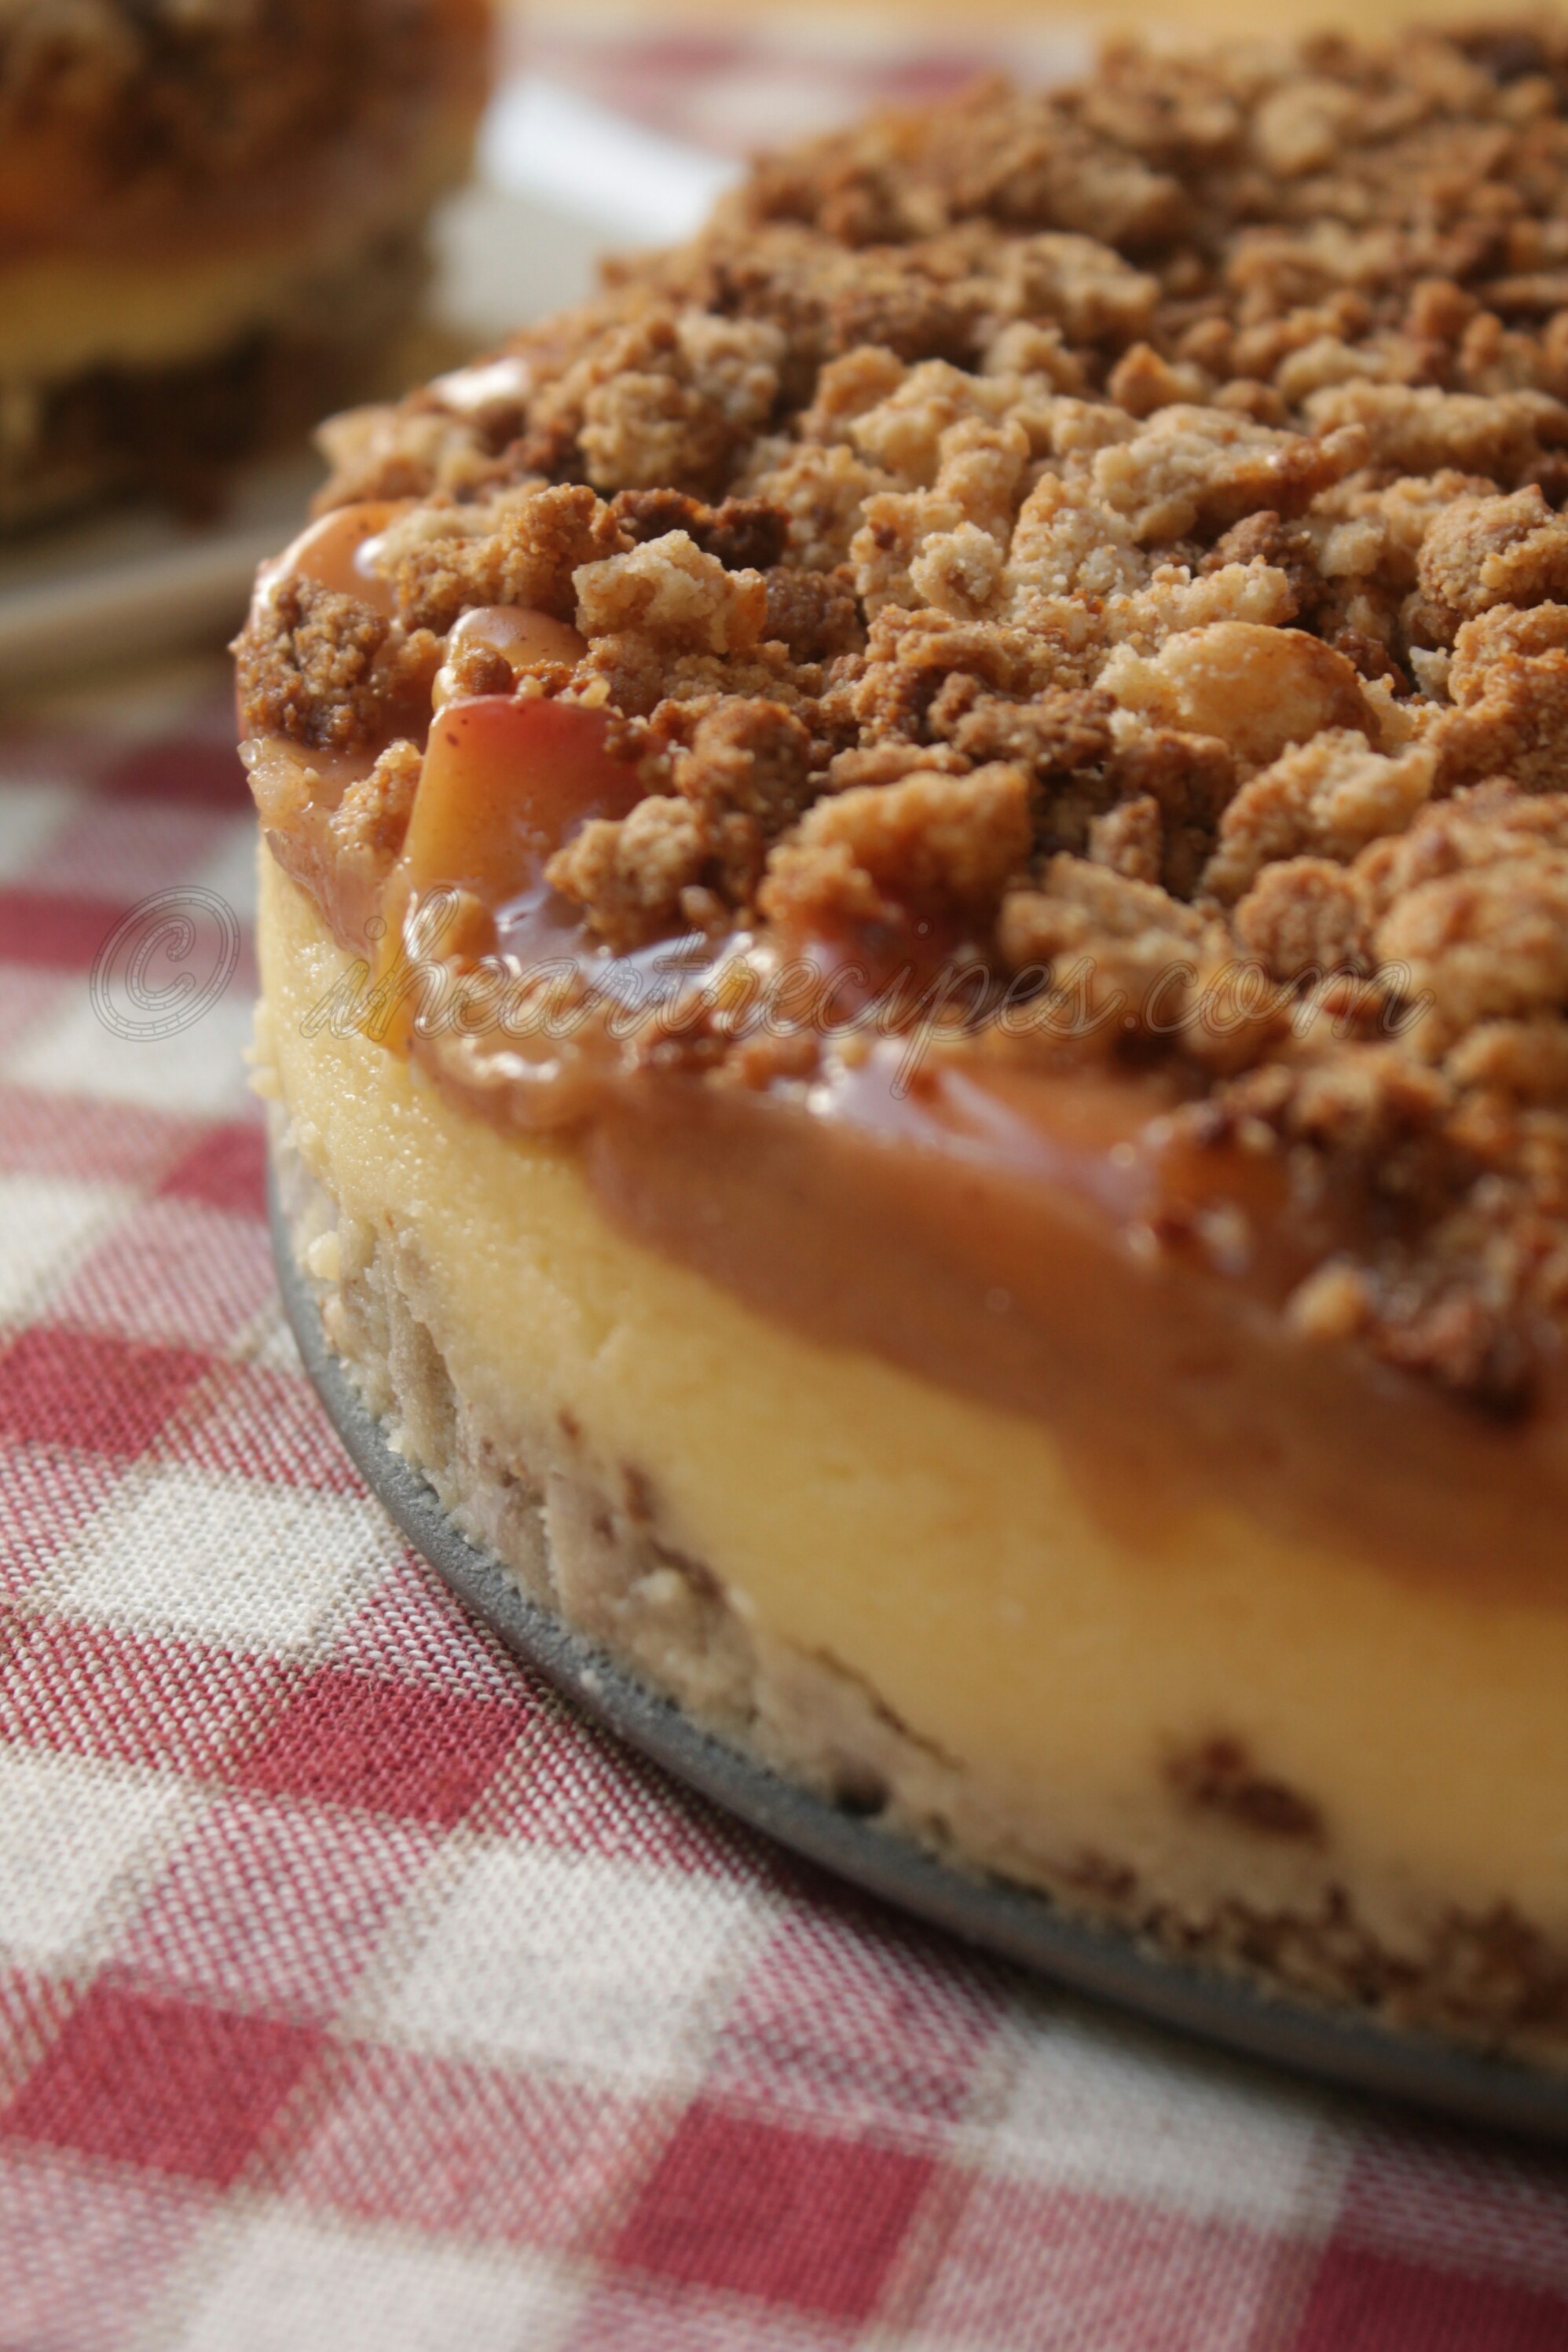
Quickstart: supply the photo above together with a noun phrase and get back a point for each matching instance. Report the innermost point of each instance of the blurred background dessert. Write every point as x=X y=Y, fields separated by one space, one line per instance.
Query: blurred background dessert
x=212 y=226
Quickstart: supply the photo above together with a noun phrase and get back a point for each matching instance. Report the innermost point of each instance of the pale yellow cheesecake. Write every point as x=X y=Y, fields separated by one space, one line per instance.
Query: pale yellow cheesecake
x=212 y=219
x=914 y=939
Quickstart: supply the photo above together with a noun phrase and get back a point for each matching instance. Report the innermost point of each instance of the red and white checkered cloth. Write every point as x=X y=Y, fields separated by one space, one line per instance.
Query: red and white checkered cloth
x=357 y=1998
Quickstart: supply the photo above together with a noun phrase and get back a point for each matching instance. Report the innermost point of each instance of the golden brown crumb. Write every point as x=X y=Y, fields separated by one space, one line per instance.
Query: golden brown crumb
x=1527 y=1058
x=1330 y=796
x=326 y=671
x=1474 y=901
x=523 y=549
x=368 y=825
x=669 y=591
x=1516 y=725
x=931 y=840
x=1192 y=780
x=1259 y=689
x=1303 y=915
x=630 y=873
x=1128 y=838
x=1484 y=551
x=748 y=757
x=813 y=613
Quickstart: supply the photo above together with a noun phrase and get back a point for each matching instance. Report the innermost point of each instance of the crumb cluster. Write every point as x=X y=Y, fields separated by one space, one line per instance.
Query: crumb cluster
x=1118 y=525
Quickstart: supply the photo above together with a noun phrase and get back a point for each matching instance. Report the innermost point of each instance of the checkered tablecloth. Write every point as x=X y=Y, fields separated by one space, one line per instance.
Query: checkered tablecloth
x=356 y=1997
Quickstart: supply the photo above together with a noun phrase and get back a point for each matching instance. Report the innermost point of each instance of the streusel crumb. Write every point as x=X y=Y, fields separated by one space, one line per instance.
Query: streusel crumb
x=1117 y=528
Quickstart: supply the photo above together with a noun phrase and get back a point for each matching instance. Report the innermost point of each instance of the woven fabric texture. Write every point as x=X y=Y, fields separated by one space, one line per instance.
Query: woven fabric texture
x=356 y=1997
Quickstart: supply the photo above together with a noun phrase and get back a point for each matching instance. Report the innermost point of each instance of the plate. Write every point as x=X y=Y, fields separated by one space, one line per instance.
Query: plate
x=1008 y=1921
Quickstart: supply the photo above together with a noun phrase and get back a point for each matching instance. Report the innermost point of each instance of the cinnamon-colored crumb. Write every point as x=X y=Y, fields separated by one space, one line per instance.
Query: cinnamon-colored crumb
x=1303 y=916
x=368 y=826
x=931 y=840
x=525 y=550
x=1329 y=796
x=630 y=873
x=326 y=671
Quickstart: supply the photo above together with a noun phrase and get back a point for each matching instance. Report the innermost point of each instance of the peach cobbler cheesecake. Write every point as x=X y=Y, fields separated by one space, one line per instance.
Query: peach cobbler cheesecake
x=915 y=942
x=212 y=217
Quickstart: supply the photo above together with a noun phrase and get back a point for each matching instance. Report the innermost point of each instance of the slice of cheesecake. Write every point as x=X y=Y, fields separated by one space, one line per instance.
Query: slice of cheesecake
x=915 y=941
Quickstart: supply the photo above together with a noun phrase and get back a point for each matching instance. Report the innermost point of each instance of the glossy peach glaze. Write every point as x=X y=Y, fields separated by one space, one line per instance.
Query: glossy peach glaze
x=503 y=784
x=520 y=636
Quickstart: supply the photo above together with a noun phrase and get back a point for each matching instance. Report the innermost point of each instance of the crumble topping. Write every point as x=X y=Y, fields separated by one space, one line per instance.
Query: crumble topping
x=1119 y=528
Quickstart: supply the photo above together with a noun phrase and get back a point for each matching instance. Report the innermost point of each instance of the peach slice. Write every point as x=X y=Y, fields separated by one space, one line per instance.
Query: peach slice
x=504 y=784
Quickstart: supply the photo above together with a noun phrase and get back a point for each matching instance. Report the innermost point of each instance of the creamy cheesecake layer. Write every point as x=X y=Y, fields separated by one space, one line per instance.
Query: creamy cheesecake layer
x=1411 y=1741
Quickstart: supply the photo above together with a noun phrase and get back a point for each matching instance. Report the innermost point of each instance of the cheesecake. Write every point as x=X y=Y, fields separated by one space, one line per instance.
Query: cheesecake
x=212 y=223
x=914 y=941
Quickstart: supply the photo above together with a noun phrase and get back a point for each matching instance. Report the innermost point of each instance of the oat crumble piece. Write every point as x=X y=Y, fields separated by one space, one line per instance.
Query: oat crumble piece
x=368 y=826
x=326 y=671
